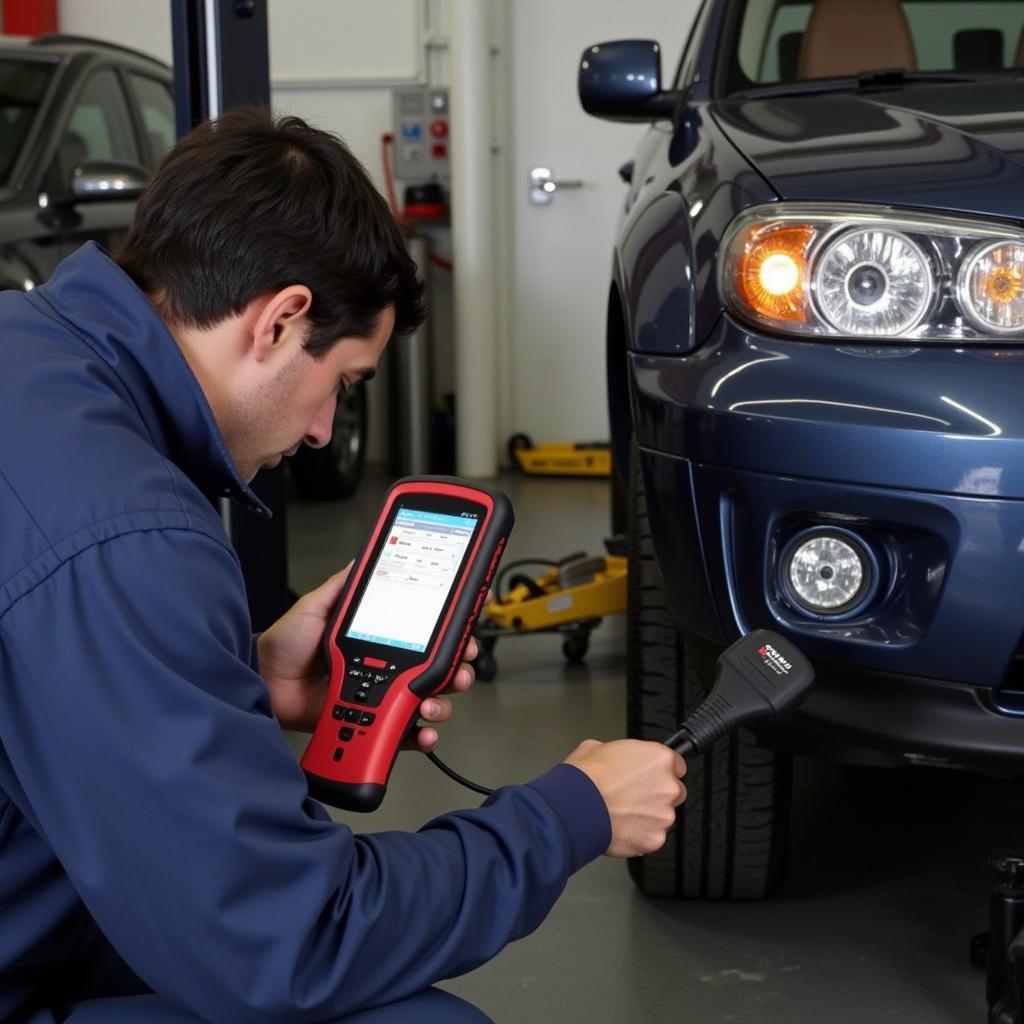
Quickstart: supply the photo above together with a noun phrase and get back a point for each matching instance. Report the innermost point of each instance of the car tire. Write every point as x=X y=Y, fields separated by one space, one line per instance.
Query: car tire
x=334 y=471
x=619 y=504
x=730 y=838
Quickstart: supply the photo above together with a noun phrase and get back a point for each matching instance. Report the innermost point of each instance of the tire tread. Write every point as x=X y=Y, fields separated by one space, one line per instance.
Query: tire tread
x=730 y=838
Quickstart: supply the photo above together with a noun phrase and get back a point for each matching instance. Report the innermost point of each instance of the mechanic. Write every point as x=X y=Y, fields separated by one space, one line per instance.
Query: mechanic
x=160 y=859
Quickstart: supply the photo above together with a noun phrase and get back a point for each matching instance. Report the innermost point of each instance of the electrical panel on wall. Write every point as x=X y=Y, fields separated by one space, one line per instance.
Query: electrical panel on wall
x=421 y=135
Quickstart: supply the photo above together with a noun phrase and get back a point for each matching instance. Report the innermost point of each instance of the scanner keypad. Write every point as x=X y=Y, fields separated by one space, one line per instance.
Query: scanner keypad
x=366 y=680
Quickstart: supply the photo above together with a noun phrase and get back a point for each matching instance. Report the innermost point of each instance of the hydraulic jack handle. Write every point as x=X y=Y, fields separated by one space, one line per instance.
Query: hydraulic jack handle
x=760 y=676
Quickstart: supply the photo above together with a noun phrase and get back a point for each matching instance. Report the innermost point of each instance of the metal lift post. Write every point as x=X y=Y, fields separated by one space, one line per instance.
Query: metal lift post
x=222 y=59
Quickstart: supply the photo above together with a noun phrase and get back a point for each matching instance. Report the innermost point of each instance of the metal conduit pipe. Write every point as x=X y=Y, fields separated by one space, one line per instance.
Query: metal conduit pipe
x=473 y=243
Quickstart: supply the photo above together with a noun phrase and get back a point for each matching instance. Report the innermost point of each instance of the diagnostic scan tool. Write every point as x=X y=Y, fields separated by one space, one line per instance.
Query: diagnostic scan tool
x=400 y=629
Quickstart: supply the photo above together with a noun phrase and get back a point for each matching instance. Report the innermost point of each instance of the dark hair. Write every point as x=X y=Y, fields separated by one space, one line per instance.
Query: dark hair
x=245 y=205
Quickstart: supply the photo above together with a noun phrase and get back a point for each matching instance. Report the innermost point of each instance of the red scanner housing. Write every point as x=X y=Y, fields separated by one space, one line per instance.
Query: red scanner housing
x=400 y=629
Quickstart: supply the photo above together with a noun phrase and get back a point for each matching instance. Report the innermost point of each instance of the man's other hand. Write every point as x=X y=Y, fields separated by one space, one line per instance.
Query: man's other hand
x=438 y=709
x=291 y=659
x=641 y=785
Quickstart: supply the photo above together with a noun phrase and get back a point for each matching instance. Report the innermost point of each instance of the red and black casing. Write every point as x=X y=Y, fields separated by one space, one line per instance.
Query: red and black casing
x=366 y=722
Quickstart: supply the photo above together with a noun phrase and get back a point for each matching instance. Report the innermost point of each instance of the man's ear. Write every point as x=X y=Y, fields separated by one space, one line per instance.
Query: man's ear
x=280 y=320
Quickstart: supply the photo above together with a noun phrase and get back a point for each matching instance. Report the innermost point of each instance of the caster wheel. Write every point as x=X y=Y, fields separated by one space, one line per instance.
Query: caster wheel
x=515 y=443
x=486 y=665
x=575 y=649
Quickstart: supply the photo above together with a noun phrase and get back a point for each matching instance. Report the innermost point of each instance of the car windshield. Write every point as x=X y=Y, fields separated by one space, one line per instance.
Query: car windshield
x=789 y=42
x=22 y=86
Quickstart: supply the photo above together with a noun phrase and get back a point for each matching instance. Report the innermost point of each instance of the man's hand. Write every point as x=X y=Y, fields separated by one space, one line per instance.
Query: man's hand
x=640 y=783
x=293 y=667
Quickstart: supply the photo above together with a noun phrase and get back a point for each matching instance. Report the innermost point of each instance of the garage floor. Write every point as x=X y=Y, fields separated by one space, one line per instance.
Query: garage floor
x=886 y=883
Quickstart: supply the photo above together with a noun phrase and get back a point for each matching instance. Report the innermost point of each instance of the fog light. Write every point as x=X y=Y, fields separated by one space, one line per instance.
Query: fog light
x=826 y=573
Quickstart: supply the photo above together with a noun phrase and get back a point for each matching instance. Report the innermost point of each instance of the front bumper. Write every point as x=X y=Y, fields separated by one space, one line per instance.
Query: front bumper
x=918 y=451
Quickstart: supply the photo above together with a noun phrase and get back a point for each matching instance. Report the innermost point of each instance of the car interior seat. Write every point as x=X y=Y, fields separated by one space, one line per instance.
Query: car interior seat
x=845 y=38
x=978 y=49
x=789 y=55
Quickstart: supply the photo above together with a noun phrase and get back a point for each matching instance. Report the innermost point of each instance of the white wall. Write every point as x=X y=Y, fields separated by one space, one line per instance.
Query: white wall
x=559 y=269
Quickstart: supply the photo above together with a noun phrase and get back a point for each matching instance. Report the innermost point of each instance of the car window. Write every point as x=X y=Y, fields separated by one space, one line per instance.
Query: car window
x=157 y=105
x=99 y=128
x=767 y=44
x=22 y=87
x=685 y=70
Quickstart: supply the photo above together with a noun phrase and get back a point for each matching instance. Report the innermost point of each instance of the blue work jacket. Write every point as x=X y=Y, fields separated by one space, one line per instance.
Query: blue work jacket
x=149 y=804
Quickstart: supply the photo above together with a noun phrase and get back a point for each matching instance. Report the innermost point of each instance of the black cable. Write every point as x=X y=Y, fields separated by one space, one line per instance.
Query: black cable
x=760 y=676
x=457 y=777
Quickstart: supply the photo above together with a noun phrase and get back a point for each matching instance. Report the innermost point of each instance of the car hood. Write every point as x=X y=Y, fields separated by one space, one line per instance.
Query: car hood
x=956 y=146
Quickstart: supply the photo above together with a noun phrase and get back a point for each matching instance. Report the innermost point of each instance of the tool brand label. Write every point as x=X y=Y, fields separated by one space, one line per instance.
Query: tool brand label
x=775 y=661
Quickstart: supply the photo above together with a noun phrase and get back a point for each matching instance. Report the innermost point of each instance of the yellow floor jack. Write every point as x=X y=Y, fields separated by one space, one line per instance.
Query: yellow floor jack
x=571 y=598
x=561 y=458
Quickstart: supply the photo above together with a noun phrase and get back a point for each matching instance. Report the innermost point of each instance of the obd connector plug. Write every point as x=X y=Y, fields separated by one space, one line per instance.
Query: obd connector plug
x=760 y=676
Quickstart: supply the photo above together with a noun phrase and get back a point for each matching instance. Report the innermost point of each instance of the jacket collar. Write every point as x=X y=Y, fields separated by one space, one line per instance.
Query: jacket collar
x=101 y=304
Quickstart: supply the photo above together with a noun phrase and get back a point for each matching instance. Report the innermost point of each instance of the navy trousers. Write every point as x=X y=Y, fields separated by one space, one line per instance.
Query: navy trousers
x=429 y=1007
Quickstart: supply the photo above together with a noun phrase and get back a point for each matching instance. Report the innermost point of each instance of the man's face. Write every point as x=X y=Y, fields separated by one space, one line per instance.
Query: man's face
x=294 y=405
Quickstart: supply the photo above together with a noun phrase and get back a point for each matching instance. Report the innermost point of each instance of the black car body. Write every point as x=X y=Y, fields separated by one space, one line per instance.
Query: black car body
x=84 y=124
x=816 y=370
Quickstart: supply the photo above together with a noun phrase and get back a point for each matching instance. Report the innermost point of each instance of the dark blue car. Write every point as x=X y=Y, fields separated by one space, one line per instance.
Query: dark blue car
x=816 y=380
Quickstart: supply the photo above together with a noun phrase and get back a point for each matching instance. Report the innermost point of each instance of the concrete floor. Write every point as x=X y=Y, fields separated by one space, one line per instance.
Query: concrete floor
x=886 y=881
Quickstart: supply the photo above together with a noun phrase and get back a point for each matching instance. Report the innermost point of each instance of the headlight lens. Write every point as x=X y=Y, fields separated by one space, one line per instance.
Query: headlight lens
x=992 y=287
x=873 y=282
x=844 y=270
x=826 y=574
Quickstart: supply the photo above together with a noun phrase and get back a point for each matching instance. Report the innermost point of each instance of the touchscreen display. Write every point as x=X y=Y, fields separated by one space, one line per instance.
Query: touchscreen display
x=411 y=579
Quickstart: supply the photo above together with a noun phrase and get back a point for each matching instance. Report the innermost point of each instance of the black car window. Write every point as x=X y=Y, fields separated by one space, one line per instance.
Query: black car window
x=22 y=87
x=768 y=44
x=691 y=51
x=157 y=106
x=99 y=128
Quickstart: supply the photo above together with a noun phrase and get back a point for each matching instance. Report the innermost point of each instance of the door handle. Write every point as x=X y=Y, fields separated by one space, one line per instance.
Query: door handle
x=543 y=185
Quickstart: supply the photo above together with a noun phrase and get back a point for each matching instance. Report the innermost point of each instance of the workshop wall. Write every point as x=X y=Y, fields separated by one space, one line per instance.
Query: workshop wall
x=560 y=254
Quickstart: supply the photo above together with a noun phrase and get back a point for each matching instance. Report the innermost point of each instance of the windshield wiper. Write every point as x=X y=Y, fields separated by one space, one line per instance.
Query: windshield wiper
x=901 y=76
x=885 y=78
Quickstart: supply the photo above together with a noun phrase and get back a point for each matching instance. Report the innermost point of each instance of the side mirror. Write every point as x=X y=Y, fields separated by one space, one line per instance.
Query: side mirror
x=107 y=179
x=621 y=81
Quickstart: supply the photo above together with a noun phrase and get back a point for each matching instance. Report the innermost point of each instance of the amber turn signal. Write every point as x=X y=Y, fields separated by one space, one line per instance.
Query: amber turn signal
x=992 y=287
x=771 y=274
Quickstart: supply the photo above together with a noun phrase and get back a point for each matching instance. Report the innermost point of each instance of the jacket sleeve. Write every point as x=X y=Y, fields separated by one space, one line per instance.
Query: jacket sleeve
x=153 y=766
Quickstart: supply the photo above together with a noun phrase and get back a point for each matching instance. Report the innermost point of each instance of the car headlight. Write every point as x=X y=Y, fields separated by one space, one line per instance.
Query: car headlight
x=843 y=270
x=873 y=281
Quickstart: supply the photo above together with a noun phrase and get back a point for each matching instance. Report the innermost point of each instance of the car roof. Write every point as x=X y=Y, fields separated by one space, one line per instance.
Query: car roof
x=57 y=44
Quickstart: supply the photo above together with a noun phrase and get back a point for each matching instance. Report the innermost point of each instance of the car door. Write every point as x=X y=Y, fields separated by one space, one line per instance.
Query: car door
x=30 y=246
x=98 y=127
